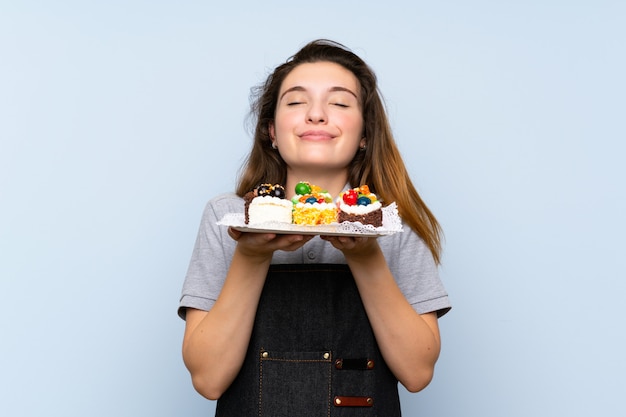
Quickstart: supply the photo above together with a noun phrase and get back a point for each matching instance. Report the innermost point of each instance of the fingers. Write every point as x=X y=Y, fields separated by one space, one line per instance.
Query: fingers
x=235 y=234
x=252 y=238
x=266 y=243
x=342 y=241
x=294 y=242
x=350 y=243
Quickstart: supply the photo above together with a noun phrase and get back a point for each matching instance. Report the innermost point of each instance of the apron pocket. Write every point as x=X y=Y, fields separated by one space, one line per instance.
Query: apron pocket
x=294 y=384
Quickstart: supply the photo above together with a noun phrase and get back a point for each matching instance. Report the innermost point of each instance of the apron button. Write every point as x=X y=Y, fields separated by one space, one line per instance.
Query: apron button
x=311 y=255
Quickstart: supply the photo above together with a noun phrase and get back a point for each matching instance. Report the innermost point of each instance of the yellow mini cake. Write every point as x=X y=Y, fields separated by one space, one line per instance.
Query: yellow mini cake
x=312 y=205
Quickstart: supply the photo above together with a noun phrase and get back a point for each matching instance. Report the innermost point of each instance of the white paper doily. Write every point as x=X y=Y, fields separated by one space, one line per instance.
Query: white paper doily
x=391 y=224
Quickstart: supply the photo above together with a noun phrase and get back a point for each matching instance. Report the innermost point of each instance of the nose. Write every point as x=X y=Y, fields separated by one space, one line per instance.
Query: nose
x=316 y=114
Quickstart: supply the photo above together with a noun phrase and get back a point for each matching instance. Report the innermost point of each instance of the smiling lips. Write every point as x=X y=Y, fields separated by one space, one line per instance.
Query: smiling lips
x=316 y=135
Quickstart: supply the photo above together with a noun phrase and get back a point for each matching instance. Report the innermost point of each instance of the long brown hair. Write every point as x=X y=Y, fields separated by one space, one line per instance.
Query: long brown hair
x=380 y=165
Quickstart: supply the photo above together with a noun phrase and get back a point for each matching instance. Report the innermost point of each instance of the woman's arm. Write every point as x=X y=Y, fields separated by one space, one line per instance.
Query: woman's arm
x=215 y=342
x=408 y=341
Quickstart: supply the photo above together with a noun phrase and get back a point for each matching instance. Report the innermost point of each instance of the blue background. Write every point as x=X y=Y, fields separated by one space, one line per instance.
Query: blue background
x=119 y=119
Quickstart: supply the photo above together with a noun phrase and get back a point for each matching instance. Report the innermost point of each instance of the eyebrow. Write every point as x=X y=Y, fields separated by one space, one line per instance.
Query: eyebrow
x=332 y=89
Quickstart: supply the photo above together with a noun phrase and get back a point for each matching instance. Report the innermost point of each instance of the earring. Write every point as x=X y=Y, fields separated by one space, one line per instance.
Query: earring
x=274 y=145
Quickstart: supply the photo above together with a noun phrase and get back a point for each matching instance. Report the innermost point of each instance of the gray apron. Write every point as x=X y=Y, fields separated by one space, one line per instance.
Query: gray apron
x=312 y=352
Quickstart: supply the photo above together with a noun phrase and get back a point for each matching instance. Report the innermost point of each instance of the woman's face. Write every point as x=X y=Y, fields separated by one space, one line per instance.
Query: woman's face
x=318 y=123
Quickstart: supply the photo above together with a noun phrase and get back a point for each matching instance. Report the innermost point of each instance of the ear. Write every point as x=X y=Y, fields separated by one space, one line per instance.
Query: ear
x=272 y=130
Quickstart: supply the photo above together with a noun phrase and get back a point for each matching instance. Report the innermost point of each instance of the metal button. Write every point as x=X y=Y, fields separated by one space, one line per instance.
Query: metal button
x=311 y=255
x=326 y=355
x=265 y=354
x=338 y=401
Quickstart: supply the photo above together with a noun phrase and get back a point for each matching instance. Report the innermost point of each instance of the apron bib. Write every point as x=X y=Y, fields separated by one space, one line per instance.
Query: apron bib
x=312 y=352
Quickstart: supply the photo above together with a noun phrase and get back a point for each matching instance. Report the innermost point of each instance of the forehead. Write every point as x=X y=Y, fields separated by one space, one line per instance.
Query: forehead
x=320 y=76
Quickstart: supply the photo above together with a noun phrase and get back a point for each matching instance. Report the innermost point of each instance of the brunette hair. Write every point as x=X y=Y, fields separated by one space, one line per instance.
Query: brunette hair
x=380 y=165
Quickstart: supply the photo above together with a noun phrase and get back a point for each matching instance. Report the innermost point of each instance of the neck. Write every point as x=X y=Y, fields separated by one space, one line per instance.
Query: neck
x=332 y=181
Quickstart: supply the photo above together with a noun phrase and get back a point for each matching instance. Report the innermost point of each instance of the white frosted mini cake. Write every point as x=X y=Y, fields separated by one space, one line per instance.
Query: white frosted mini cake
x=267 y=204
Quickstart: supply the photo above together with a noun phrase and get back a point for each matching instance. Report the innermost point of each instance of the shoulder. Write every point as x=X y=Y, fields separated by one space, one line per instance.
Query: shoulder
x=408 y=255
x=415 y=270
x=217 y=207
x=407 y=240
x=226 y=200
x=224 y=203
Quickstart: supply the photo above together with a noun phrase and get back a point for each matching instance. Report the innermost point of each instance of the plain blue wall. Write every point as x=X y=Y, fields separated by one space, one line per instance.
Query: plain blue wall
x=119 y=119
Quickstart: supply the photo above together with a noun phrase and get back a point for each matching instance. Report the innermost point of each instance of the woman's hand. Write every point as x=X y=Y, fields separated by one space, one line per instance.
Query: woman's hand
x=353 y=246
x=262 y=245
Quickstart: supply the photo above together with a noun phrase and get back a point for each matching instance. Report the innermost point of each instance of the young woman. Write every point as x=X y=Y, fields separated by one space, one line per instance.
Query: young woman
x=295 y=325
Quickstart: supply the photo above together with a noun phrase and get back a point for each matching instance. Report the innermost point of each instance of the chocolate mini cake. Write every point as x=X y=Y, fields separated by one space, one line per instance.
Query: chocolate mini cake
x=360 y=205
x=375 y=218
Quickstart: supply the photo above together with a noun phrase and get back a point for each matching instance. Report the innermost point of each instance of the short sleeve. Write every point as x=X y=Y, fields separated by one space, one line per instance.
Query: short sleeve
x=211 y=256
x=416 y=273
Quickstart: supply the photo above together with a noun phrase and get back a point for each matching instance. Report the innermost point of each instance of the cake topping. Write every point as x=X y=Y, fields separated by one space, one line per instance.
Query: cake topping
x=360 y=196
x=308 y=193
x=303 y=188
x=272 y=190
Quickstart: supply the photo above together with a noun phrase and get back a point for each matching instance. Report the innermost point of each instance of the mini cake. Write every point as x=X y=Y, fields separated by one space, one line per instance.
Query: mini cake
x=360 y=205
x=267 y=203
x=312 y=205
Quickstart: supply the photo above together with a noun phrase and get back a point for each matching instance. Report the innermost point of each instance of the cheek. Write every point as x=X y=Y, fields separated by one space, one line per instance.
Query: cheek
x=353 y=125
x=284 y=121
